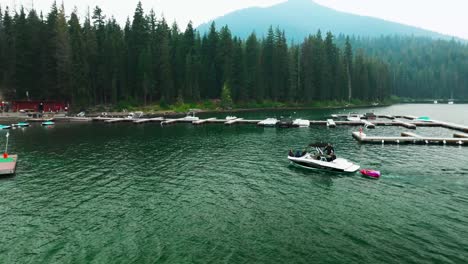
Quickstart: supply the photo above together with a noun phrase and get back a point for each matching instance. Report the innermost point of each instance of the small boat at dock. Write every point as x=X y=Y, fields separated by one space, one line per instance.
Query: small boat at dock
x=269 y=122
x=301 y=123
x=286 y=123
x=4 y=127
x=190 y=117
x=21 y=124
x=48 y=123
x=354 y=117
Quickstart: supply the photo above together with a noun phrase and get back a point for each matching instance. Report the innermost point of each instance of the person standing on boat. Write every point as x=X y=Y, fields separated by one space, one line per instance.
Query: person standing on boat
x=329 y=150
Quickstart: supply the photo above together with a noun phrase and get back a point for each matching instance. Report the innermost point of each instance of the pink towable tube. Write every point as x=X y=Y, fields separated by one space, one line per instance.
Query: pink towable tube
x=371 y=173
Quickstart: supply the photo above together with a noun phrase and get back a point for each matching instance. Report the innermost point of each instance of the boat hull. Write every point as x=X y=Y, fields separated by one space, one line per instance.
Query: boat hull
x=338 y=165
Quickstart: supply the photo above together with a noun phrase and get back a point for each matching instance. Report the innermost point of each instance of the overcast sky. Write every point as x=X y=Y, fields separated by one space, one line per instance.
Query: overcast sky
x=444 y=16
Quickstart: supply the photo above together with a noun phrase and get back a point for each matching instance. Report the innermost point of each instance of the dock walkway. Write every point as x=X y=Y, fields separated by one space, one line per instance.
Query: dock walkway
x=409 y=138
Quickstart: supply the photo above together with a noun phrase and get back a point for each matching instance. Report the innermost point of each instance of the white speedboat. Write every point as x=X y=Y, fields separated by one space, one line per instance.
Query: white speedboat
x=354 y=117
x=191 y=117
x=269 y=122
x=230 y=118
x=320 y=161
x=301 y=123
x=436 y=102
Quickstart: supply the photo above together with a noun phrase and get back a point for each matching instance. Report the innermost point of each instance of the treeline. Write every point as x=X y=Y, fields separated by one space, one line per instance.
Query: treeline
x=420 y=67
x=96 y=61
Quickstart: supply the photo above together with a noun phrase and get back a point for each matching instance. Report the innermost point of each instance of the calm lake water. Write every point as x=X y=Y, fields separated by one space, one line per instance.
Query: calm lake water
x=95 y=193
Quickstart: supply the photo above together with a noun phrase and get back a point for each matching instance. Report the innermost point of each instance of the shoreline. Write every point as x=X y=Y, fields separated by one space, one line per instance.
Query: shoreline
x=10 y=117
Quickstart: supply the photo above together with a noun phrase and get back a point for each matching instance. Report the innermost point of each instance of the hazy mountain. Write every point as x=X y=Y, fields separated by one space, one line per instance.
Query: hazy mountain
x=299 y=18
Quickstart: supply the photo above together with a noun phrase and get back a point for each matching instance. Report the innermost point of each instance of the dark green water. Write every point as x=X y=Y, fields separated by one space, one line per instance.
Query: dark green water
x=95 y=193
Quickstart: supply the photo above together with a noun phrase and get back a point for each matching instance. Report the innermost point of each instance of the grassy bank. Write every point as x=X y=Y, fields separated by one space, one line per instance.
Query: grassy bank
x=217 y=106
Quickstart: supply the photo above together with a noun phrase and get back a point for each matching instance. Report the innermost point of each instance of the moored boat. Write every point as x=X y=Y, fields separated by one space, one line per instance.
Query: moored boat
x=354 y=117
x=4 y=127
x=269 y=122
x=48 y=123
x=190 y=117
x=21 y=124
x=286 y=123
x=370 y=116
x=301 y=123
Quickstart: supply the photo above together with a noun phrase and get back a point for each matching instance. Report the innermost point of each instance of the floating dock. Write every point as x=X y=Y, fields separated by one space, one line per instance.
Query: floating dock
x=409 y=138
x=406 y=121
x=8 y=165
x=405 y=124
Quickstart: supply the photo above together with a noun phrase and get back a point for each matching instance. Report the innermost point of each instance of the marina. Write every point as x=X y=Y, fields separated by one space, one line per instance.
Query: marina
x=406 y=121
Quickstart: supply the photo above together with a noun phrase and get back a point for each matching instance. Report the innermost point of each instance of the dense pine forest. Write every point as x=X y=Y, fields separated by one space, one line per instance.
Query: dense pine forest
x=421 y=67
x=95 y=61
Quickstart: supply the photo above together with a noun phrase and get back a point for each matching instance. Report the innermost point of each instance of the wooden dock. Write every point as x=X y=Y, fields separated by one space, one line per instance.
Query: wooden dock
x=8 y=165
x=406 y=121
x=409 y=138
x=404 y=124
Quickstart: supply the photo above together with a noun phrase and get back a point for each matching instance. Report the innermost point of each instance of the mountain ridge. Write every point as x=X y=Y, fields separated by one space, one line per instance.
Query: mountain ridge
x=300 y=18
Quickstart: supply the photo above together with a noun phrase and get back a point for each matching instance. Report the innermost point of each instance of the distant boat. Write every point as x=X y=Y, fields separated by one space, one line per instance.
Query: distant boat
x=4 y=127
x=370 y=116
x=451 y=102
x=229 y=118
x=354 y=117
x=285 y=123
x=48 y=123
x=423 y=119
x=191 y=117
x=269 y=122
x=436 y=102
x=301 y=123
x=21 y=124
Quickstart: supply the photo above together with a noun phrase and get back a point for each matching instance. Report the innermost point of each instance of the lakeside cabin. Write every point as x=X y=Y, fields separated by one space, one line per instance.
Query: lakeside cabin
x=38 y=106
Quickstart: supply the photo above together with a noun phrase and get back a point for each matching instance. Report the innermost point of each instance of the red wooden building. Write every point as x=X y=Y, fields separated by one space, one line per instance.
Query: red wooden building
x=47 y=106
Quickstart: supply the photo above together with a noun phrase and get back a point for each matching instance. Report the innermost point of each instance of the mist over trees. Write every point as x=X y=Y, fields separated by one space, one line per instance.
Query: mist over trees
x=420 y=67
x=94 y=60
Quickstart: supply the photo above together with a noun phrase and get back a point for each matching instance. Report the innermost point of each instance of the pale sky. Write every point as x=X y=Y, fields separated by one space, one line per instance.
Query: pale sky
x=445 y=16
